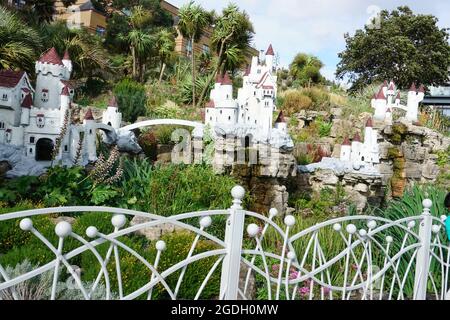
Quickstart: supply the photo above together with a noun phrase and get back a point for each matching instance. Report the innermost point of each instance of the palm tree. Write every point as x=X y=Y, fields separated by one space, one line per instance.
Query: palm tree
x=140 y=46
x=19 y=44
x=165 y=45
x=305 y=69
x=232 y=35
x=193 y=20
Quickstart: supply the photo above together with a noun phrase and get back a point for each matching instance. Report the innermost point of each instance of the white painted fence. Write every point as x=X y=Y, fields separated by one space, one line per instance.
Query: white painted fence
x=354 y=257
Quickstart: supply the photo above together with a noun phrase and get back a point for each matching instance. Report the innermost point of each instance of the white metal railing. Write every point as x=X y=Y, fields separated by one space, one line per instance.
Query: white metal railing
x=353 y=257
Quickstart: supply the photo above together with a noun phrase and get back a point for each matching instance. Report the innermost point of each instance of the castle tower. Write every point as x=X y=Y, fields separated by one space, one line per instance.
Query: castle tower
x=412 y=112
x=65 y=102
x=270 y=56
x=346 y=150
x=390 y=93
x=398 y=99
x=111 y=116
x=50 y=70
x=90 y=136
x=380 y=105
x=67 y=61
x=356 y=149
x=280 y=123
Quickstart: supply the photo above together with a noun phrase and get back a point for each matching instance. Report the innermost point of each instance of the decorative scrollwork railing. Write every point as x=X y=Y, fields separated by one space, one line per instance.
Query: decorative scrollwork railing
x=354 y=257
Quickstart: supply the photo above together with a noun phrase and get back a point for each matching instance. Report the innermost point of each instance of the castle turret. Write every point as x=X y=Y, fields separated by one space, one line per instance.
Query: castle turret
x=280 y=123
x=111 y=116
x=346 y=150
x=421 y=93
x=26 y=107
x=270 y=56
x=90 y=136
x=380 y=105
x=67 y=61
x=412 y=104
x=65 y=102
x=397 y=99
x=356 y=148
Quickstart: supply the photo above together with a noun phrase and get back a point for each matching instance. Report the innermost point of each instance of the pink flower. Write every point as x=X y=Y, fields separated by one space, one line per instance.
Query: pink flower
x=326 y=290
x=303 y=291
x=293 y=275
x=275 y=267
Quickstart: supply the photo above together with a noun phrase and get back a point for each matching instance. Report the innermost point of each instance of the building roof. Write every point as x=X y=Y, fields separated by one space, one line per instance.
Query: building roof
x=269 y=51
x=346 y=142
x=385 y=83
x=280 y=118
x=66 y=55
x=51 y=56
x=422 y=88
x=398 y=96
x=210 y=104
x=391 y=87
x=10 y=78
x=88 y=115
x=247 y=71
x=65 y=91
x=219 y=78
x=67 y=84
x=357 y=137
x=369 y=123
x=27 y=101
x=226 y=81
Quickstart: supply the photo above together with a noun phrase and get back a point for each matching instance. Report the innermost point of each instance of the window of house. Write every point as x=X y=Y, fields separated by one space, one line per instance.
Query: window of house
x=5 y=97
x=31 y=150
x=66 y=148
x=205 y=49
x=31 y=139
x=229 y=118
x=100 y=30
x=90 y=131
x=44 y=95
x=2 y=125
x=220 y=111
x=210 y=118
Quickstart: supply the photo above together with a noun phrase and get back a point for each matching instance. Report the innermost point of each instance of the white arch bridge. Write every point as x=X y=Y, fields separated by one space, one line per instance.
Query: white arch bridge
x=198 y=127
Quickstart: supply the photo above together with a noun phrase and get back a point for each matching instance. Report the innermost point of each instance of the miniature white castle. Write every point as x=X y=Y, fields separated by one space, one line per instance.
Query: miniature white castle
x=384 y=102
x=252 y=112
x=36 y=119
x=358 y=152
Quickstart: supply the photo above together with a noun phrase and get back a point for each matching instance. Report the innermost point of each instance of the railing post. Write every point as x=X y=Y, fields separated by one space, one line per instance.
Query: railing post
x=423 y=254
x=229 y=282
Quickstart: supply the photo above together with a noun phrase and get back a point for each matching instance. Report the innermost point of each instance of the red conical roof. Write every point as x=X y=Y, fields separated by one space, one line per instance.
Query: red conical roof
x=219 y=78
x=27 y=101
x=422 y=88
x=210 y=104
x=398 y=96
x=247 y=72
x=357 y=137
x=269 y=51
x=66 y=55
x=280 y=118
x=413 y=88
x=369 y=123
x=391 y=87
x=346 y=142
x=113 y=102
x=226 y=81
x=65 y=91
x=385 y=83
x=51 y=57
x=380 y=95
x=88 y=115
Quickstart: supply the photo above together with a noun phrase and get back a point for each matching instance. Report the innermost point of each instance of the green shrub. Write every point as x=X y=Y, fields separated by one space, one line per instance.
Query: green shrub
x=320 y=98
x=132 y=99
x=294 y=101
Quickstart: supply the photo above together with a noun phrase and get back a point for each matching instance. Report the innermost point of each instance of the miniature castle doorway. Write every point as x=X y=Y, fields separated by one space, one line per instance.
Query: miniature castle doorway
x=44 y=149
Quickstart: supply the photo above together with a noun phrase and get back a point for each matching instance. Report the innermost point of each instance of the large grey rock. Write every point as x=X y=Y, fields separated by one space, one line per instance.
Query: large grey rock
x=414 y=152
x=430 y=170
x=413 y=170
x=20 y=164
x=127 y=142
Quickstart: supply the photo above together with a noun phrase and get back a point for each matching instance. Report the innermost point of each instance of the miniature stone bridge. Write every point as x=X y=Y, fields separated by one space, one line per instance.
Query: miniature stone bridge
x=155 y=122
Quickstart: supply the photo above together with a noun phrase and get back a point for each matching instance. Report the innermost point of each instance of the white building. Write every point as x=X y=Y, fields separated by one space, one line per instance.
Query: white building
x=357 y=152
x=388 y=98
x=252 y=111
x=34 y=119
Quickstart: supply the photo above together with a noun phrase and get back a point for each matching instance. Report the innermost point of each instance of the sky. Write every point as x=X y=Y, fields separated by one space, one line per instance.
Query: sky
x=317 y=26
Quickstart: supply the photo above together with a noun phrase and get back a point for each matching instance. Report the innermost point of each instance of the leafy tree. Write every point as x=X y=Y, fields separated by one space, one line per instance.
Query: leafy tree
x=19 y=44
x=305 y=69
x=131 y=98
x=193 y=20
x=165 y=45
x=232 y=35
x=406 y=48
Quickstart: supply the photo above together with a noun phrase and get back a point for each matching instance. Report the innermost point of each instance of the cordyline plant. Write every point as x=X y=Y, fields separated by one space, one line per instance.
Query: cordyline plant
x=62 y=134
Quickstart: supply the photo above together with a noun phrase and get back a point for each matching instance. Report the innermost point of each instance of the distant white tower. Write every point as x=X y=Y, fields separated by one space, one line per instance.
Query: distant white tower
x=346 y=150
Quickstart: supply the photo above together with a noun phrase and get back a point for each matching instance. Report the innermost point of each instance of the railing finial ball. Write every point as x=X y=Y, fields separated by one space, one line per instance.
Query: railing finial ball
x=63 y=229
x=362 y=233
x=160 y=245
x=351 y=228
x=205 y=222
x=411 y=224
x=389 y=239
x=92 y=232
x=291 y=255
x=26 y=224
x=427 y=203
x=273 y=212
x=372 y=224
x=337 y=227
x=238 y=193
x=443 y=218
x=118 y=220
x=289 y=220
x=435 y=228
x=252 y=230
